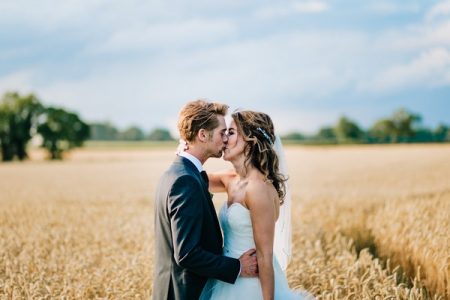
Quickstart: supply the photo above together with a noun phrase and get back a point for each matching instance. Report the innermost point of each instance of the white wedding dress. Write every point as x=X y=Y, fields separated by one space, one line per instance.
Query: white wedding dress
x=238 y=238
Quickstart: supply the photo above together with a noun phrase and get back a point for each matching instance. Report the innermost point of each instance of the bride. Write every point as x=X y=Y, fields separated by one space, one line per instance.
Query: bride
x=257 y=194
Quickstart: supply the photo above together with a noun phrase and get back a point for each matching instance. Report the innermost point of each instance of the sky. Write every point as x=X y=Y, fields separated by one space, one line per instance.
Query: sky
x=305 y=62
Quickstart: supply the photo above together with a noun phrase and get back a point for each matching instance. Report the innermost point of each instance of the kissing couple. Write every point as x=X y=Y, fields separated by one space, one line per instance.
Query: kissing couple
x=192 y=259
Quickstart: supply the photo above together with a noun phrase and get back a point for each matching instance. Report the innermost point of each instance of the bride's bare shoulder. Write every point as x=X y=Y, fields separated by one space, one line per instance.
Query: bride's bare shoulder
x=258 y=192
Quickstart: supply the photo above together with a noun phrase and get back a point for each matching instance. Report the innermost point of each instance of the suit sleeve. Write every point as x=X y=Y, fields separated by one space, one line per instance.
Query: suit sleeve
x=185 y=208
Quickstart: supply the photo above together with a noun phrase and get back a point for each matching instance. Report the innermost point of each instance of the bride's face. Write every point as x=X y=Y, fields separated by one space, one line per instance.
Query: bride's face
x=236 y=144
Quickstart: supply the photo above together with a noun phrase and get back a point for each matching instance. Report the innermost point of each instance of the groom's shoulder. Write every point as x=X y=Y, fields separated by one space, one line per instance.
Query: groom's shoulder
x=179 y=168
x=179 y=176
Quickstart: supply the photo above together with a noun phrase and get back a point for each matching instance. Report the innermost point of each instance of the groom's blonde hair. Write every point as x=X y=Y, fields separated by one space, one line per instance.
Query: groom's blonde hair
x=199 y=114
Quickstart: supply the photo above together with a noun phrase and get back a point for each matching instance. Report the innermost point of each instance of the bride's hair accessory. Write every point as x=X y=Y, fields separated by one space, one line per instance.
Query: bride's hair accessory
x=265 y=135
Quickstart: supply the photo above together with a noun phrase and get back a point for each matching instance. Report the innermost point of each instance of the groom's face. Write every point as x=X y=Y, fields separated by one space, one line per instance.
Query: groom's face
x=218 y=138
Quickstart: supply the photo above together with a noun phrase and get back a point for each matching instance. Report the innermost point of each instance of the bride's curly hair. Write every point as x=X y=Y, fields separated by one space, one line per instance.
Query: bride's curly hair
x=257 y=131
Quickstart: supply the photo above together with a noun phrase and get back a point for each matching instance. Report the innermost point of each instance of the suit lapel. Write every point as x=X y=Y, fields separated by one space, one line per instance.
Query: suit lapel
x=193 y=169
x=214 y=215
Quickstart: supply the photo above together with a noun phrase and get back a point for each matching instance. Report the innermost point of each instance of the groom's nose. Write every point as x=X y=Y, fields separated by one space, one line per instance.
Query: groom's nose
x=225 y=138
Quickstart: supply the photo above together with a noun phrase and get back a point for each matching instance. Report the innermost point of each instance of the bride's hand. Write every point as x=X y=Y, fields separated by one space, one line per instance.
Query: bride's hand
x=249 y=264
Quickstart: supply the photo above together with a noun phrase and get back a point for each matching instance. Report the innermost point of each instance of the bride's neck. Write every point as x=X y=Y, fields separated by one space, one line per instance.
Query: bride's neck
x=241 y=169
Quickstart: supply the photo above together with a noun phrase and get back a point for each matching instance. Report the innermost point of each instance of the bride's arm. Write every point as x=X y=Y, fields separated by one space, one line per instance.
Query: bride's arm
x=218 y=181
x=262 y=211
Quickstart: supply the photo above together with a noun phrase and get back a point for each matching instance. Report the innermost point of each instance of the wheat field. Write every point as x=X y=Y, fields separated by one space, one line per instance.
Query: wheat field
x=369 y=222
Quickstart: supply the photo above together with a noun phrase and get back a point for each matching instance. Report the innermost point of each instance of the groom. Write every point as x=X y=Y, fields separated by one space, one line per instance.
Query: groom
x=187 y=233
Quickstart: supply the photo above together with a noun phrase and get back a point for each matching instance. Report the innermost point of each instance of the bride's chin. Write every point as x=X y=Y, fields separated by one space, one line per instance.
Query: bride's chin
x=225 y=156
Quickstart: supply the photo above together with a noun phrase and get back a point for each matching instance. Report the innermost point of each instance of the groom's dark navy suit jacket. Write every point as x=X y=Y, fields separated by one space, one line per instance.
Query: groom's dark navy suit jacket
x=188 y=240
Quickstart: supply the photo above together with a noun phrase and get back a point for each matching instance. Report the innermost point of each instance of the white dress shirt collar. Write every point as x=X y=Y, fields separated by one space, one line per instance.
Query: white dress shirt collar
x=193 y=160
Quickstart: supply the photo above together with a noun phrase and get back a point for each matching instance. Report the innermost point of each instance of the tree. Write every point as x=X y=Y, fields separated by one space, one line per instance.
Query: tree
x=383 y=131
x=326 y=133
x=441 y=133
x=347 y=130
x=5 y=136
x=61 y=131
x=18 y=119
x=103 y=132
x=132 y=133
x=401 y=127
x=160 y=134
x=405 y=125
x=294 y=136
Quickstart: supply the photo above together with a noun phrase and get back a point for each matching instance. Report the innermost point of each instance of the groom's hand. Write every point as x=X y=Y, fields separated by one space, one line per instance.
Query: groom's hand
x=249 y=264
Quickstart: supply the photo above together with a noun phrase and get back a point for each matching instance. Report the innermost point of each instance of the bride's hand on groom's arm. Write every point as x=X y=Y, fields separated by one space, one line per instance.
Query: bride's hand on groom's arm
x=249 y=264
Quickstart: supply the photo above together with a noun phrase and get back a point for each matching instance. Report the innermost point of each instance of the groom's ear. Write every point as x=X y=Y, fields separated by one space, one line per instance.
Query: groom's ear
x=203 y=135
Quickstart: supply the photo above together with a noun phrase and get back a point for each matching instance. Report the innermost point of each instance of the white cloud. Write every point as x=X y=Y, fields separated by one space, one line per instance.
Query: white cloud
x=418 y=52
x=297 y=7
x=296 y=66
x=18 y=81
x=310 y=6
x=430 y=69
x=145 y=56
x=438 y=10
x=415 y=38
x=389 y=7
x=252 y=73
x=47 y=13
x=162 y=36
x=276 y=67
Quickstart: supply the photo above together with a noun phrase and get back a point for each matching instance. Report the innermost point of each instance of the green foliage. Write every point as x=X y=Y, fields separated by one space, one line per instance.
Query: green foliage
x=132 y=133
x=404 y=124
x=326 y=133
x=347 y=131
x=401 y=127
x=108 y=132
x=382 y=131
x=160 y=134
x=423 y=135
x=103 y=132
x=21 y=117
x=62 y=130
x=293 y=136
x=18 y=118
x=441 y=133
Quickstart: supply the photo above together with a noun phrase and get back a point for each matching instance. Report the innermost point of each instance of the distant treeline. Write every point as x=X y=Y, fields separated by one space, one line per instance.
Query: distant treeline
x=23 y=117
x=106 y=131
x=402 y=126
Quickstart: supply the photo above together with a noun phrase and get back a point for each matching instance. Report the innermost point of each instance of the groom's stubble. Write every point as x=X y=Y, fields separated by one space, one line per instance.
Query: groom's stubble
x=217 y=139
